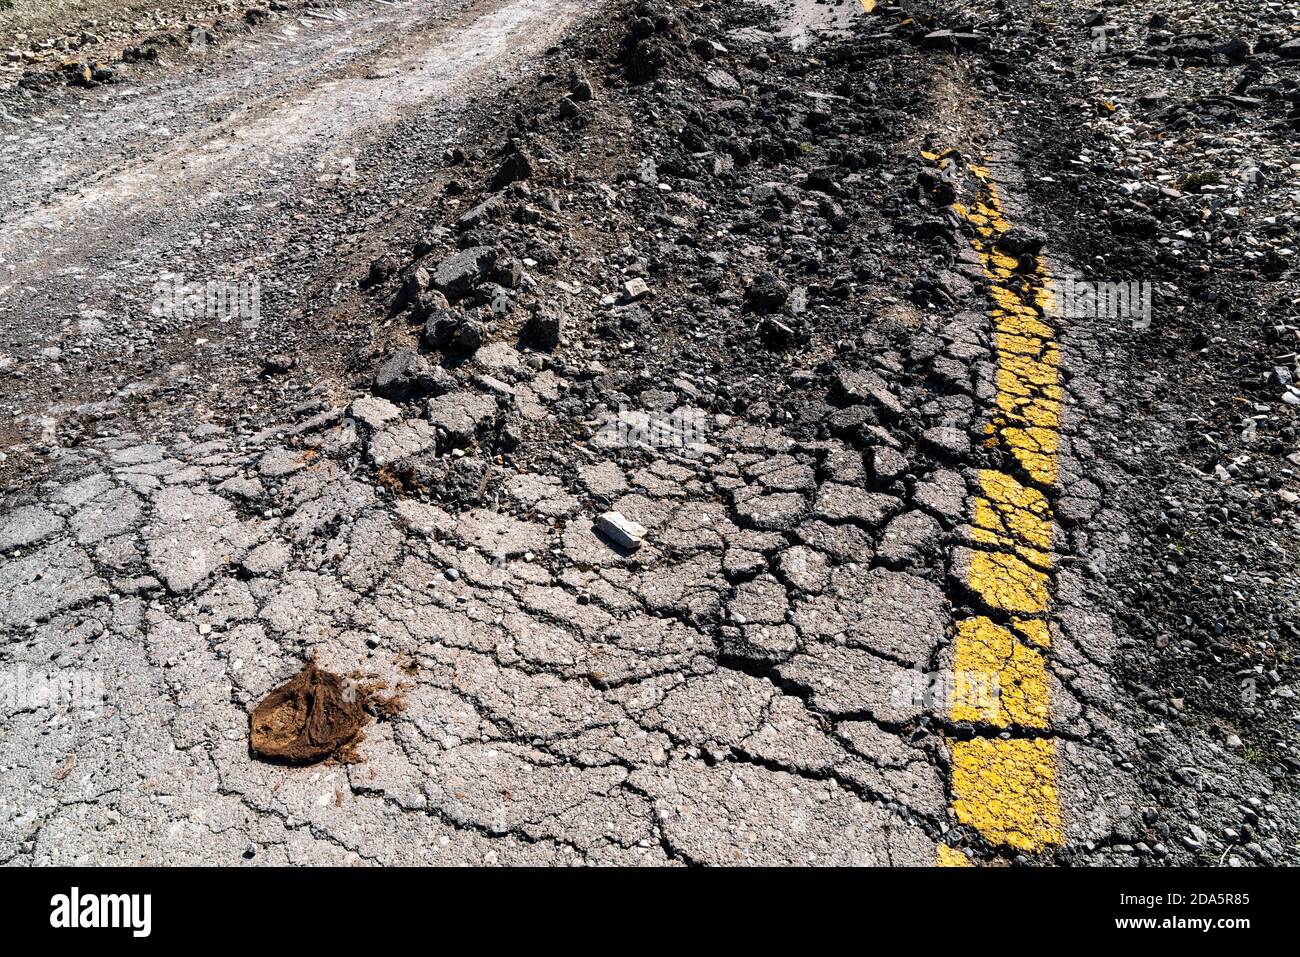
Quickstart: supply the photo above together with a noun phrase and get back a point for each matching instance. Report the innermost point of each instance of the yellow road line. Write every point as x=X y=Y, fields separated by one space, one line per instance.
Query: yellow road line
x=951 y=857
x=1006 y=788
x=985 y=647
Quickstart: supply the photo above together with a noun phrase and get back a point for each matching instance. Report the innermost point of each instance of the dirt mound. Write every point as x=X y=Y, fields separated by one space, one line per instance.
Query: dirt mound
x=311 y=717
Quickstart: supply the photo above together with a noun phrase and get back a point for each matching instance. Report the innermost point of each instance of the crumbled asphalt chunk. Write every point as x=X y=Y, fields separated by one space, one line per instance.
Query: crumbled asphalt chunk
x=461 y=415
x=866 y=386
x=517 y=166
x=492 y=208
x=372 y=413
x=400 y=440
x=1021 y=240
x=623 y=532
x=27 y=525
x=407 y=375
x=946 y=443
x=767 y=293
x=458 y=274
x=544 y=329
x=580 y=89
x=909 y=539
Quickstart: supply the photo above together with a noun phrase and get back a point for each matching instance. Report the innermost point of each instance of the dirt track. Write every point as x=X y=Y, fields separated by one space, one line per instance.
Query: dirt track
x=257 y=161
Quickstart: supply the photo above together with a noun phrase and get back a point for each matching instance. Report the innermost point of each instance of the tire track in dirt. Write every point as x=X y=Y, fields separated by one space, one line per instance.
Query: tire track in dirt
x=255 y=143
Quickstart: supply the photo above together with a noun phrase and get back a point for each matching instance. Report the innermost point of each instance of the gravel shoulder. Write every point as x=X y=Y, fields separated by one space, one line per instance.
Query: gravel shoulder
x=38 y=34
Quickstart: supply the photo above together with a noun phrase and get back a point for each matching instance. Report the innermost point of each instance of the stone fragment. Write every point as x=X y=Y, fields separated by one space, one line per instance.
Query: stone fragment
x=458 y=274
x=623 y=532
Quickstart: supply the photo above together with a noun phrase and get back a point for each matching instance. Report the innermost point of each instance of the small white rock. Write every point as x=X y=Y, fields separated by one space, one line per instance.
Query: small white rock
x=622 y=531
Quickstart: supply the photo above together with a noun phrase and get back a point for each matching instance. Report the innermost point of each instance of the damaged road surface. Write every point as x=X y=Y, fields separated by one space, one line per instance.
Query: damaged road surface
x=542 y=432
x=231 y=179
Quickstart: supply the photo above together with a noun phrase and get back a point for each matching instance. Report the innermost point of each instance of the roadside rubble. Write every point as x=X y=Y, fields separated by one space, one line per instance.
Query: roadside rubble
x=623 y=532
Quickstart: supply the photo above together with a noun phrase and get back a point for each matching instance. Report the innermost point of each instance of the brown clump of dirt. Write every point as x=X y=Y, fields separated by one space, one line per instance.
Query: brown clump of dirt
x=312 y=716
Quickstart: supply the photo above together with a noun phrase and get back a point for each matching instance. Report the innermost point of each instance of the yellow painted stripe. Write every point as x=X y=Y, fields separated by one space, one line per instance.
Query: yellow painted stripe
x=986 y=648
x=1006 y=788
x=1008 y=583
x=868 y=5
x=951 y=857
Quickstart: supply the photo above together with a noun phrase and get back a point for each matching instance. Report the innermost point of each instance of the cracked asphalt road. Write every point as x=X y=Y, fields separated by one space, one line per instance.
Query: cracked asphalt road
x=816 y=363
x=560 y=700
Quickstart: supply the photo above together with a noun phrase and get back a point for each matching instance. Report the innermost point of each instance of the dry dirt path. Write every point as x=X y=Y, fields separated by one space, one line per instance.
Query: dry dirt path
x=270 y=162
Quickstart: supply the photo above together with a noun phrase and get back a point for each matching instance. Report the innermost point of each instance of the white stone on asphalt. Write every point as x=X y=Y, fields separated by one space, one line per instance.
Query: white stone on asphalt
x=622 y=531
